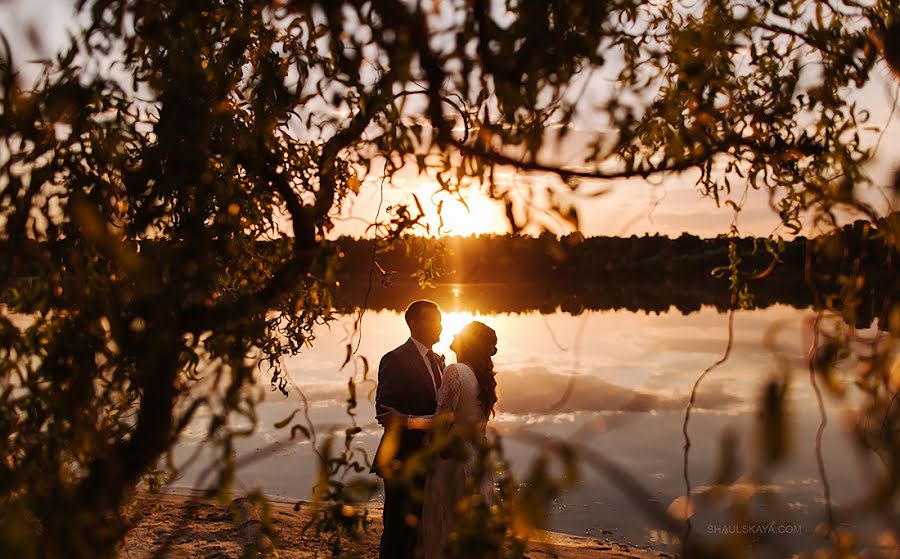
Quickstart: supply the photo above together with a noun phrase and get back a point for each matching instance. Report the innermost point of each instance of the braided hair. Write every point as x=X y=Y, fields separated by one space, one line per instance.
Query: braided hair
x=474 y=346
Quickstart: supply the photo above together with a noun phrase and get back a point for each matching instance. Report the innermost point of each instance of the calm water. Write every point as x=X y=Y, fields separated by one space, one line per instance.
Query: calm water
x=632 y=373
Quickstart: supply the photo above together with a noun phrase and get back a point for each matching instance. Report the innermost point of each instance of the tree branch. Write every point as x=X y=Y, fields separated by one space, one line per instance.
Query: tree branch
x=305 y=219
x=672 y=167
x=775 y=28
x=371 y=105
x=395 y=15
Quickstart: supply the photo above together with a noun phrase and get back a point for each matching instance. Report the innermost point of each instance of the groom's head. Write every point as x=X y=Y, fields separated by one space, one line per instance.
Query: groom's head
x=424 y=320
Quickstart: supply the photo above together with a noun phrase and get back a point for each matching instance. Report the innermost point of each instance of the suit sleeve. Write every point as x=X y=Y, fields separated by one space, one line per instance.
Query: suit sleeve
x=389 y=391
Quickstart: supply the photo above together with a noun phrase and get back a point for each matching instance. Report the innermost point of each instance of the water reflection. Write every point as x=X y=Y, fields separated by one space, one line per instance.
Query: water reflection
x=650 y=295
x=615 y=381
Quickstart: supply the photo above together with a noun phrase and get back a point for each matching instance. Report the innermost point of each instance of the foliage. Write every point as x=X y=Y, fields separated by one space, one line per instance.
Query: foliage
x=141 y=172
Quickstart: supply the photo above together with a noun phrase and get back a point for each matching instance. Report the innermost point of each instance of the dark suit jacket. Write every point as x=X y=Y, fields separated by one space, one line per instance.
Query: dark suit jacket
x=404 y=384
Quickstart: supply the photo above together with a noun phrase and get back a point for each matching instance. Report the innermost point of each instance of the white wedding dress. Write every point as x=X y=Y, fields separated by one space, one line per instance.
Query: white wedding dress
x=447 y=485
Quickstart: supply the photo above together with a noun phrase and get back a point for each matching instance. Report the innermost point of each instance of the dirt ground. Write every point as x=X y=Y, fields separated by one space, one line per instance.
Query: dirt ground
x=180 y=526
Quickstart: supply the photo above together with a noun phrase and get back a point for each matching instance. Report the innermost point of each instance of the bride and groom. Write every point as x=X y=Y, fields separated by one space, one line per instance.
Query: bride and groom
x=413 y=388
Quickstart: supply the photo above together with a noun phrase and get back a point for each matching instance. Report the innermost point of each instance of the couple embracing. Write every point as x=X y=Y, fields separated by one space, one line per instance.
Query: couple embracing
x=414 y=387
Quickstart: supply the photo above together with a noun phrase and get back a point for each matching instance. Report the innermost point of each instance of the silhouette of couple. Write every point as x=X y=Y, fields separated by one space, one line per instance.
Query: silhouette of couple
x=414 y=387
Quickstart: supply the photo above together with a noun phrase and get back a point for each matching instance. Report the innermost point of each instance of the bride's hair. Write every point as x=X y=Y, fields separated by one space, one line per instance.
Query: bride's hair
x=474 y=346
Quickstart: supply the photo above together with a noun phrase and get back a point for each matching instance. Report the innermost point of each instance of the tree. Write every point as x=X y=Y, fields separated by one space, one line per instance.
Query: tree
x=142 y=172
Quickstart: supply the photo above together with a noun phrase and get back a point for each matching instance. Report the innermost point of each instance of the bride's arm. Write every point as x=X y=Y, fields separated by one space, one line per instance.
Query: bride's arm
x=447 y=397
x=391 y=416
x=419 y=422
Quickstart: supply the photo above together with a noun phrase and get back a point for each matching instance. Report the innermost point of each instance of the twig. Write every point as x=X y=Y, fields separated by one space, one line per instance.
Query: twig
x=823 y=421
x=687 y=417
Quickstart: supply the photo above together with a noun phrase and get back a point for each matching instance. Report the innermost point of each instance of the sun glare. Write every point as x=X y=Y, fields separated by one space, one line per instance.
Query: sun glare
x=453 y=322
x=482 y=216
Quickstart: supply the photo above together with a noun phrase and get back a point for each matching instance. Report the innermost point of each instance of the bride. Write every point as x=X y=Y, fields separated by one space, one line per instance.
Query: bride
x=467 y=397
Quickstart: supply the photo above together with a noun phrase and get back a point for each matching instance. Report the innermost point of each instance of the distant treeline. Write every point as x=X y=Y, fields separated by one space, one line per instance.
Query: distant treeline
x=576 y=259
x=502 y=259
x=651 y=273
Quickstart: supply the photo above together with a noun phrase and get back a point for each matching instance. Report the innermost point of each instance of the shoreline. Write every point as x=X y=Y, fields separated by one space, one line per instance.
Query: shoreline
x=179 y=522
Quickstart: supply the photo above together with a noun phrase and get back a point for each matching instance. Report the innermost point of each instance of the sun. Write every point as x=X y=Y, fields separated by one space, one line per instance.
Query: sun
x=480 y=217
x=453 y=322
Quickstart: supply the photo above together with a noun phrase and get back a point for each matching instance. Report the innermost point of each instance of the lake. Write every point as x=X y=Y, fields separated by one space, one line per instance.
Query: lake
x=615 y=381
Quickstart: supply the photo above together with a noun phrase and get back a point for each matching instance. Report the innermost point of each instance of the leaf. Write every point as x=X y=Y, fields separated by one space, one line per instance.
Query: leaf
x=301 y=429
x=354 y=184
x=351 y=388
x=390 y=444
x=285 y=421
x=681 y=508
x=348 y=356
x=727 y=469
x=418 y=205
x=365 y=364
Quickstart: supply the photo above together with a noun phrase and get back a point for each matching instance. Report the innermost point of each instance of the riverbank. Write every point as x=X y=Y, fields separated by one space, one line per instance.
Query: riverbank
x=183 y=525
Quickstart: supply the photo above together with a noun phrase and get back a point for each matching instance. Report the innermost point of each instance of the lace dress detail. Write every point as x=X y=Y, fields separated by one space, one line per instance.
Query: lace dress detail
x=447 y=485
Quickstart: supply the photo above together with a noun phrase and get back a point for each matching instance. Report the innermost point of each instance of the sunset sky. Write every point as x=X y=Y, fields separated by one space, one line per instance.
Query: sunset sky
x=669 y=206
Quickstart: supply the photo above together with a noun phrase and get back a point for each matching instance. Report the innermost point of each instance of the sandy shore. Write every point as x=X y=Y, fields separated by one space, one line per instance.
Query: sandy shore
x=180 y=525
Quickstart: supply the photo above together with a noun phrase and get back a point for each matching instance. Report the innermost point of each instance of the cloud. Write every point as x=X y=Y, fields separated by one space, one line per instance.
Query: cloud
x=326 y=392
x=536 y=390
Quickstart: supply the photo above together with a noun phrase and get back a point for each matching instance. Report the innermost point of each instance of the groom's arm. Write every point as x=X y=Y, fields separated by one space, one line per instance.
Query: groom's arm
x=389 y=391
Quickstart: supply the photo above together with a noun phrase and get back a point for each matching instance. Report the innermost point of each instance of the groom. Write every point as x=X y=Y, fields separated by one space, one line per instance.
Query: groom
x=408 y=380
